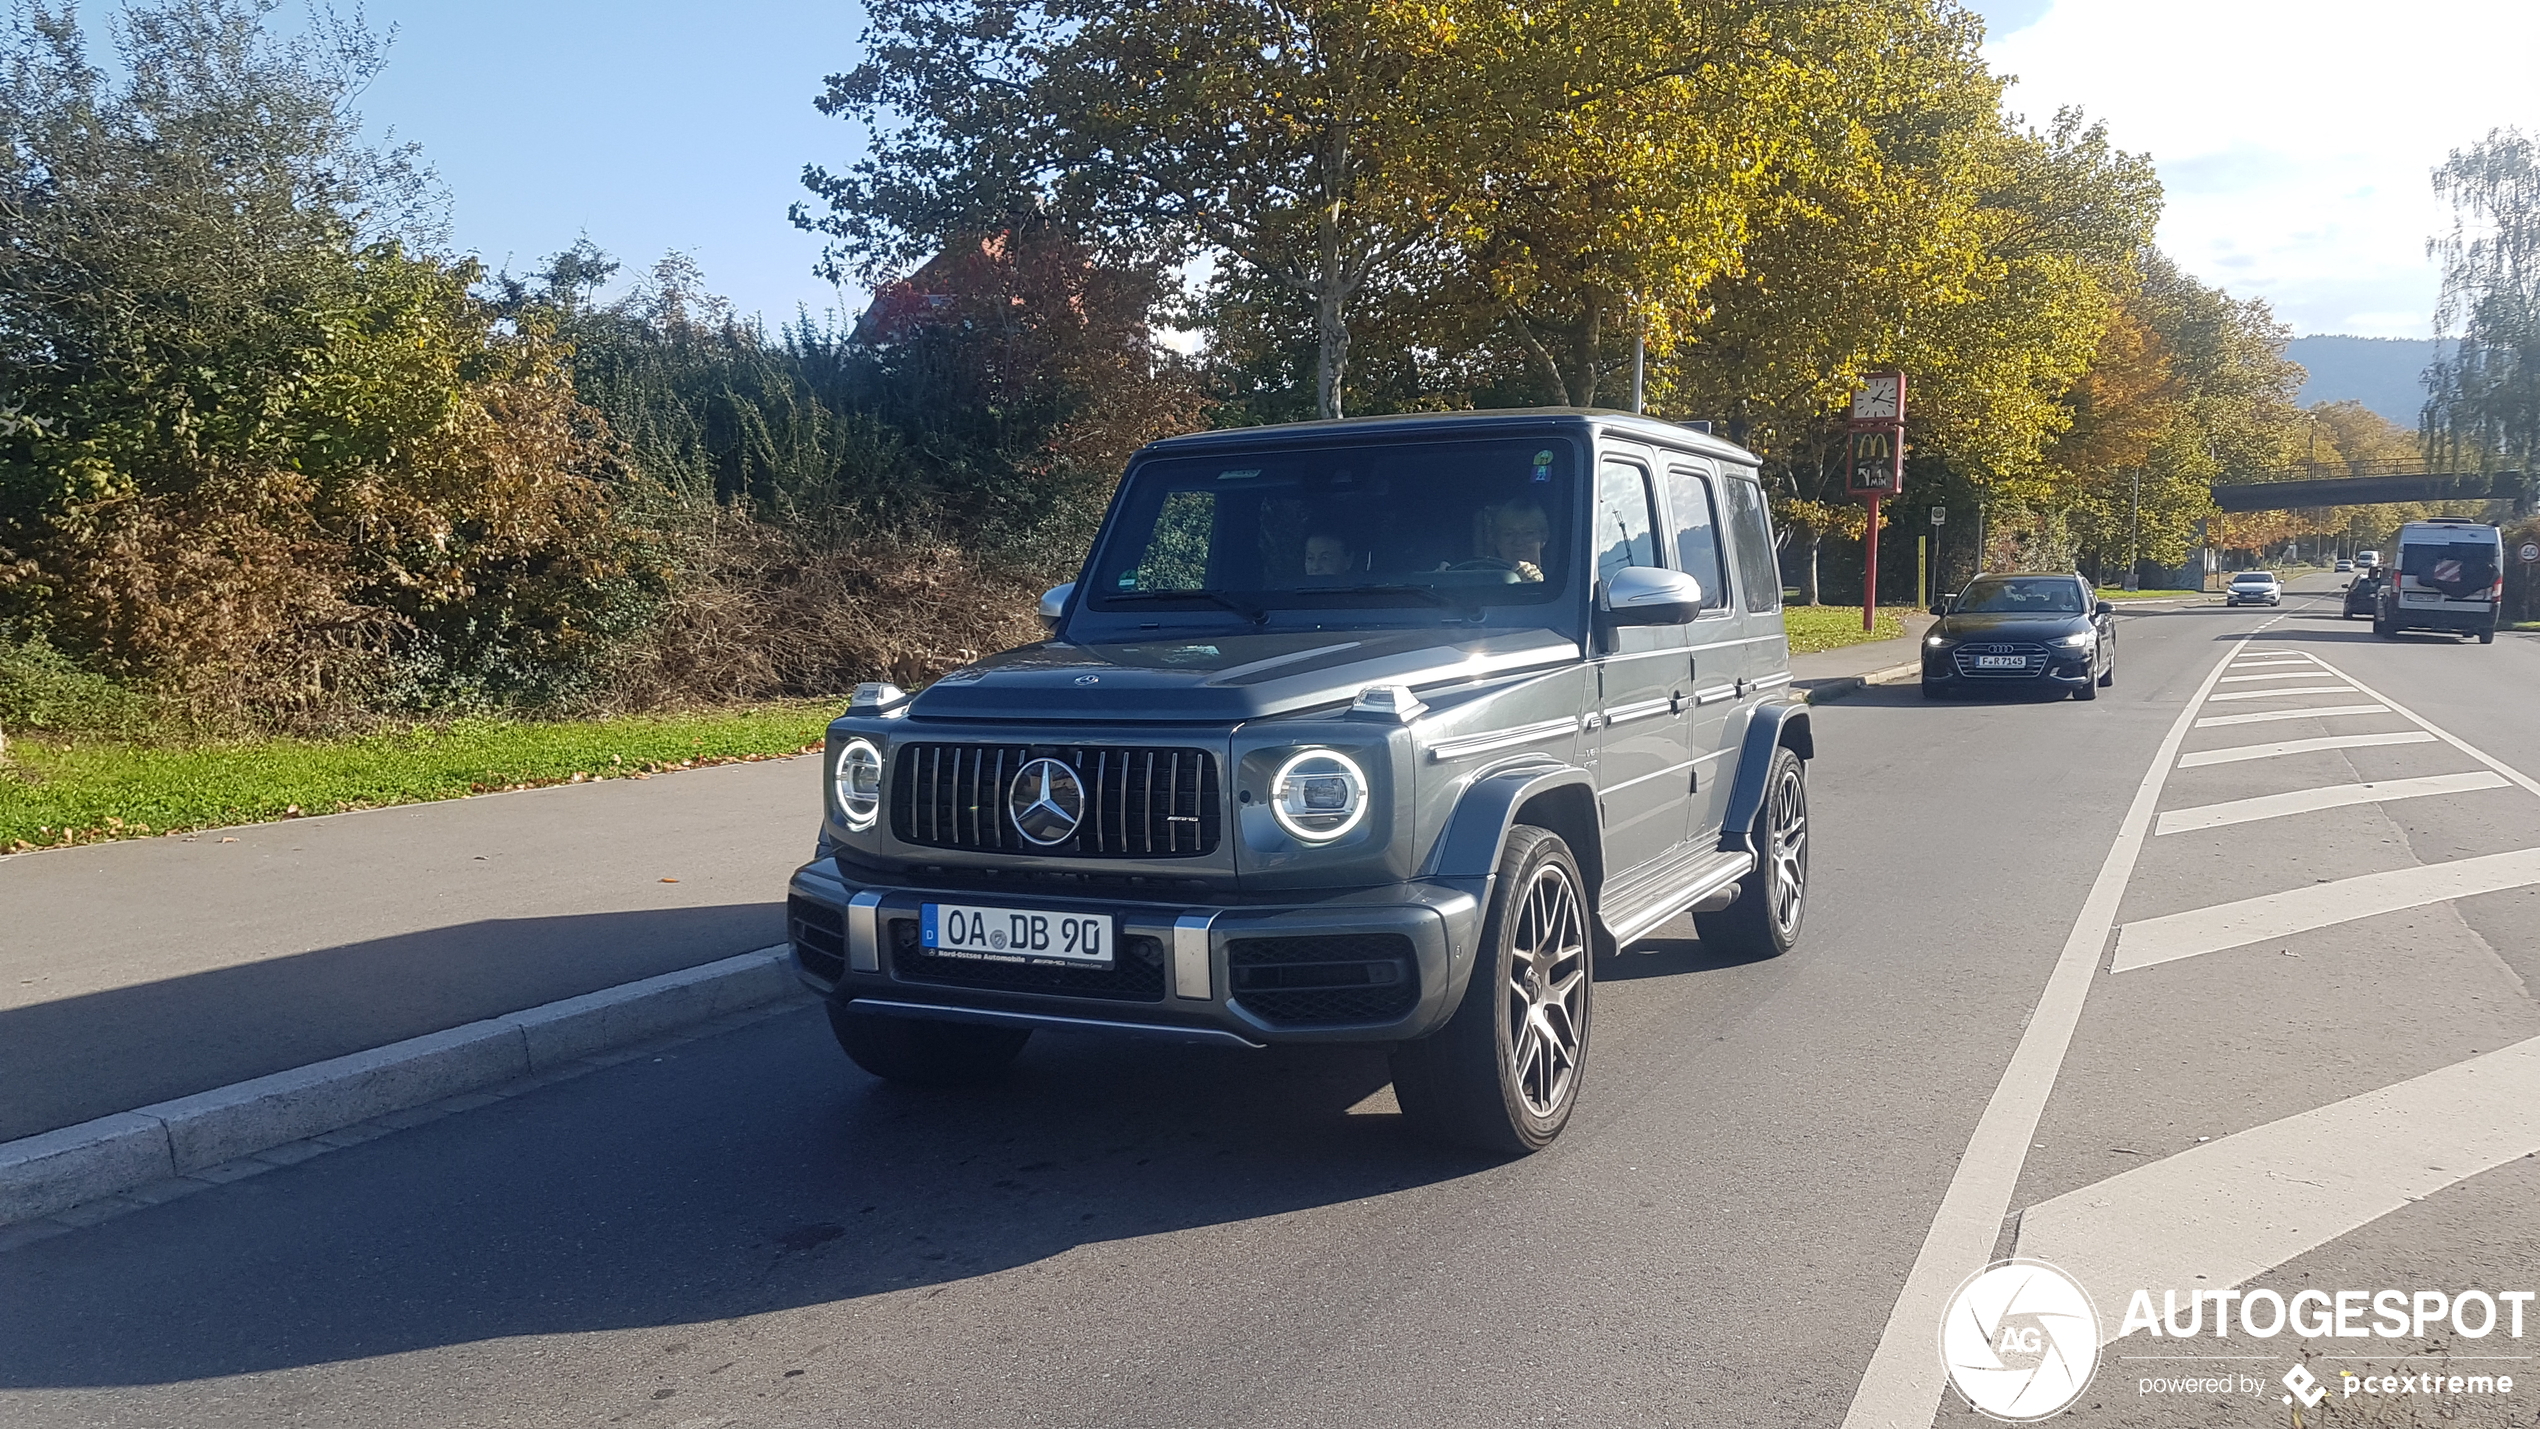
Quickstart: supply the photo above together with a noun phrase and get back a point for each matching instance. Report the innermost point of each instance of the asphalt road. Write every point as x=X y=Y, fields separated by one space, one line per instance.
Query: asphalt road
x=742 y=1229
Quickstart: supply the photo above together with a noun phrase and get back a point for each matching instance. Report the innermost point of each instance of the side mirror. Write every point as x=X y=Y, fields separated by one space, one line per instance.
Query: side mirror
x=1941 y=606
x=2103 y=608
x=1054 y=604
x=1646 y=595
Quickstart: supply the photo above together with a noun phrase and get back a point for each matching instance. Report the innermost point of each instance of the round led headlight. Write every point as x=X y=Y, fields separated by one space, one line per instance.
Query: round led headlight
x=1318 y=795
x=858 y=777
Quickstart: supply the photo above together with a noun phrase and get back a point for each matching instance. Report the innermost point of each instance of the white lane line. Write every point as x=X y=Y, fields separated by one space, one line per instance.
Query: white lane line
x=1901 y=1388
x=2278 y=657
x=2445 y=735
x=2230 y=695
x=2221 y=1214
x=2306 y=672
x=2263 y=716
x=2332 y=796
x=2197 y=931
x=2239 y=752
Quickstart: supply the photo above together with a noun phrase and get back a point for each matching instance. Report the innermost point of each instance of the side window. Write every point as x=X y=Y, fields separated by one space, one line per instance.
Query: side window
x=1758 y=568
x=1697 y=534
x=1176 y=557
x=1625 y=534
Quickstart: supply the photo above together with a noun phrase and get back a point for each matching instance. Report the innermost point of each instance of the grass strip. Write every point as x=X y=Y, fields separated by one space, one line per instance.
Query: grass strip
x=58 y=792
x=1815 y=628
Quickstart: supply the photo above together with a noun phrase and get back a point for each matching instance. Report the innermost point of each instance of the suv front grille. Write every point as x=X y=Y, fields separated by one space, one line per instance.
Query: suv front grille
x=1139 y=802
x=1136 y=973
x=1324 y=981
x=1965 y=656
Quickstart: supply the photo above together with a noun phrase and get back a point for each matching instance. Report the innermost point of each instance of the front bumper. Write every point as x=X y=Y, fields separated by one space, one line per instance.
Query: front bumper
x=1228 y=973
x=2051 y=665
x=2236 y=598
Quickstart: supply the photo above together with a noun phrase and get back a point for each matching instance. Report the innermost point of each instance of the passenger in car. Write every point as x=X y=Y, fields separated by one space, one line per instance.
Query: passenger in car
x=1327 y=554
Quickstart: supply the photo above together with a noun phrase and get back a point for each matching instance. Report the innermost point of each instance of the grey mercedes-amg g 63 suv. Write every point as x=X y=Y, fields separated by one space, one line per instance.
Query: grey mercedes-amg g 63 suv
x=1379 y=730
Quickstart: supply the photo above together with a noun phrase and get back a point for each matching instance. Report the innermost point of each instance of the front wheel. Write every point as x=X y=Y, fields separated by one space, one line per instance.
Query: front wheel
x=1935 y=690
x=1773 y=897
x=1503 y=1074
x=2110 y=678
x=924 y=1051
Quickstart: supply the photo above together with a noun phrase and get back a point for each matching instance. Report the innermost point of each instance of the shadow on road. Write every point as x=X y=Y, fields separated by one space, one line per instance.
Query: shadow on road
x=733 y=1176
x=68 y=1060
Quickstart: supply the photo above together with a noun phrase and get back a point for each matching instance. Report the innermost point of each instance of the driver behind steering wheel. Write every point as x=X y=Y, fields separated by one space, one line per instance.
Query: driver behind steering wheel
x=1511 y=535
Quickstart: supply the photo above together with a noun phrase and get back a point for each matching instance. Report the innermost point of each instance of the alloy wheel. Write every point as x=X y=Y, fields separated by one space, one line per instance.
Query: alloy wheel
x=1546 y=996
x=1786 y=844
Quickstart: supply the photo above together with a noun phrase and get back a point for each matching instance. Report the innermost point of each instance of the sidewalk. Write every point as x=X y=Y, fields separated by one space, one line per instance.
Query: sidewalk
x=135 y=972
x=1831 y=674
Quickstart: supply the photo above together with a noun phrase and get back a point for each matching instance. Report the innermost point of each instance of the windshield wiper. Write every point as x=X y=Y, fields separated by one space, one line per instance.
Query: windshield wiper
x=1214 y=597
x=1430 y=594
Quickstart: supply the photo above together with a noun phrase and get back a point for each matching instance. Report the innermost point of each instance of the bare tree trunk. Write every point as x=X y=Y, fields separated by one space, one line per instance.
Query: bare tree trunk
x=1808 y=567
x=1334 y=358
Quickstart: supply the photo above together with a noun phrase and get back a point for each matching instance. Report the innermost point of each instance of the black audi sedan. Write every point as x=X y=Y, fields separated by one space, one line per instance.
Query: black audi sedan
x=2036 y=632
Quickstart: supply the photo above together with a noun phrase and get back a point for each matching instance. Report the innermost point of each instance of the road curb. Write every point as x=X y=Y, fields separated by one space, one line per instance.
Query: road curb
x=1837 y=688
x=54 y=1170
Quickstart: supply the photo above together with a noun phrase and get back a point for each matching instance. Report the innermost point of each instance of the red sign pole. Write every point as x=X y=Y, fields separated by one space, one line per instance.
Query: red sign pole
x=1870 y=573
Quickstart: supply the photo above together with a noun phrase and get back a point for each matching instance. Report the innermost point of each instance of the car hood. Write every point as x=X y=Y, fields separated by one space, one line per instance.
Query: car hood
x=1227 y=677
x=2008 y=627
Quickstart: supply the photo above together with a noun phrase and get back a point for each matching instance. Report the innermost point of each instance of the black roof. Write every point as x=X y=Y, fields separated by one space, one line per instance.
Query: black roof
x=1512 y=419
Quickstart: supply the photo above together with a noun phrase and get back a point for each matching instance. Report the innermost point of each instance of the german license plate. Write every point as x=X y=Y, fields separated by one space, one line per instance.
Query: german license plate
x=2425 y=597
x=2001 y=662
x=1022 y=934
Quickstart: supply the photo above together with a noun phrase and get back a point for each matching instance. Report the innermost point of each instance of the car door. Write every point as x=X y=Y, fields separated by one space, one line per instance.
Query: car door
x=1762 y=648
x=1716 y=657
x=1640 y=681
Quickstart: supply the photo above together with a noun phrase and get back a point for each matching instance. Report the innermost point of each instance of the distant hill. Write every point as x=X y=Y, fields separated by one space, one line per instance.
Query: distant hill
x=2384 y=373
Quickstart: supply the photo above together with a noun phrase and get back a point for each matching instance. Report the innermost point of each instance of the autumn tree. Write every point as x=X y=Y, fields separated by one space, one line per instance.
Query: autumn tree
x=1255 y=133
x=2483 y=402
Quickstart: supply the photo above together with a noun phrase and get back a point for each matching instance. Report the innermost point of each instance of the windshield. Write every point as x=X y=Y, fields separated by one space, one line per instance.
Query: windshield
x=2253 y=578
x=2022 y=595
x=1455 y=525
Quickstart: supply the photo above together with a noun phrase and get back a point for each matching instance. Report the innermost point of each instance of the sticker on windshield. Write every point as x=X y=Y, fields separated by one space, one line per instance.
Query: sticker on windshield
x=1543 y=466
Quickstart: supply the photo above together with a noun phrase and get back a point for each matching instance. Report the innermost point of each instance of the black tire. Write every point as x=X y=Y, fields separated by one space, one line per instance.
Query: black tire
x=1935 y=690
x=2383 y=628
x=924 y=1051
x=2088 y=691
x=2110 y=678
x=1503 y=1074
x=2487 y=636
x=1772 y=900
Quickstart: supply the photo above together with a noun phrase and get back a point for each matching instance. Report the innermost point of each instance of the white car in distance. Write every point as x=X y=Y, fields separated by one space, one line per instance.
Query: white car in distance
x=2254 y=588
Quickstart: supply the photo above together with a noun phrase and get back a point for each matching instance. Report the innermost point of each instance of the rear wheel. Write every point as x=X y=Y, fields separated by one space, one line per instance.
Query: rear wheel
x=924 y=1051
x=1773 y=897
x=1503 y=1073
x=2487 y=636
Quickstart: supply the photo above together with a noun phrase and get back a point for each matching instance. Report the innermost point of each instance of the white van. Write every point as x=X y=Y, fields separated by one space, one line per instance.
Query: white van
x=2366 y=560
x=2450 y=576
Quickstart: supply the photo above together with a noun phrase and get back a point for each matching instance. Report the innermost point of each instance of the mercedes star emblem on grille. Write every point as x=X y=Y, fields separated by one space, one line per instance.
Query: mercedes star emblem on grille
x=1047 y=801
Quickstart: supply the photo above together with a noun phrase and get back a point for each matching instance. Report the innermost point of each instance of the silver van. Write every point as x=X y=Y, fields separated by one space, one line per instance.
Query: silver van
x=2450 y=575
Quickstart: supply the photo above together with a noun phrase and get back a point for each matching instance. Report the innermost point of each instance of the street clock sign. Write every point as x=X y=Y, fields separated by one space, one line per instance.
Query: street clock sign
x=1874 y=465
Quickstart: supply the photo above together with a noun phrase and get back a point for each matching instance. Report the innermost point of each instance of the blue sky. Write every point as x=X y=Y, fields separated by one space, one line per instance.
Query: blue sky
x=649 y=126
x=2294 y=138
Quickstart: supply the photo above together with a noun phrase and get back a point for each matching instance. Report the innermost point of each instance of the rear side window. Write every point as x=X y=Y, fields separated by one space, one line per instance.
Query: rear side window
x=1625 y=534
x=1751 y=535
x=1697 y=534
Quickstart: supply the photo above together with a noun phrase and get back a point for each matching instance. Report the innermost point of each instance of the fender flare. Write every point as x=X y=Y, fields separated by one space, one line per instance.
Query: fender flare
x=1469 y=845
x=1770 y=727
